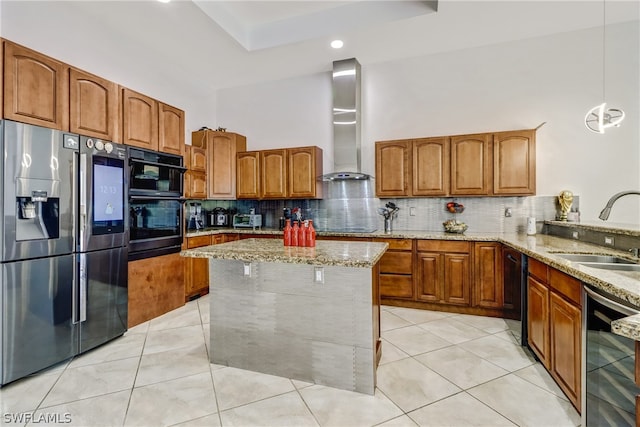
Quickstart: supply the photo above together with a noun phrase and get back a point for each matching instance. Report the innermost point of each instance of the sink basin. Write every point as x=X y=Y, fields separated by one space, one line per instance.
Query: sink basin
x=608 y=266
x=589 y=258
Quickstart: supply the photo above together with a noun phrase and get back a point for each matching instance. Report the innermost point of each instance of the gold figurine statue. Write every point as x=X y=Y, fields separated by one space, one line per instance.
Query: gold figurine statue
x=565 y=199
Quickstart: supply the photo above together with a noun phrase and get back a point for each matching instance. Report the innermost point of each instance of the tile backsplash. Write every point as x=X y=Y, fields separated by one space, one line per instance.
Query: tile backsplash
x=353 y=205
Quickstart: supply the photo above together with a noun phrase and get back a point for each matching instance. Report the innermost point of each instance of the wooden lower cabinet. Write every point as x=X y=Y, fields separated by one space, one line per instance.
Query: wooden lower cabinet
x=538 y=319
x=488 y=285
x=156 y=286
x=554 y=326
x=396 y=269
x=443 y=272
x=565 y=343
x=196 y=270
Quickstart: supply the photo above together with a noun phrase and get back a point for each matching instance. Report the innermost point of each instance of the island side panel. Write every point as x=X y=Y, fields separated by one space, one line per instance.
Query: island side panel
x=279 y=321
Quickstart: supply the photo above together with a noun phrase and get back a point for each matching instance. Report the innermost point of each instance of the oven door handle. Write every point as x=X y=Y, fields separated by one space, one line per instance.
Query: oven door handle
x=610 y=303
x=163 y=165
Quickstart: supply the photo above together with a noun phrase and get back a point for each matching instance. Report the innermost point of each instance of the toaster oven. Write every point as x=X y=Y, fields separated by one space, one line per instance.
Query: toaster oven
x=247 y=221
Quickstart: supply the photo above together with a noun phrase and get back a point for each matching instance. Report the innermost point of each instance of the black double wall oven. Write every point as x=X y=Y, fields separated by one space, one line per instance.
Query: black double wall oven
x=155 y=203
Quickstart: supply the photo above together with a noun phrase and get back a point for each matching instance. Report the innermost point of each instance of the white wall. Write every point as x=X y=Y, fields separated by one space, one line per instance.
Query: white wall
x=554 y=79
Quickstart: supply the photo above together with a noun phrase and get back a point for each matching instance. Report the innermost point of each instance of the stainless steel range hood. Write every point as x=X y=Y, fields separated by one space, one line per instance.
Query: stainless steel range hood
x=346 y=122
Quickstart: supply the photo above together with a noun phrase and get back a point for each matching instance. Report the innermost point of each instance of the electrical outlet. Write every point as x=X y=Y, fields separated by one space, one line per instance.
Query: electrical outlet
x=318 y=274
x=247 y=269
x=608 y=240
x=574 y=234
x=508 y=212
x=412 y=211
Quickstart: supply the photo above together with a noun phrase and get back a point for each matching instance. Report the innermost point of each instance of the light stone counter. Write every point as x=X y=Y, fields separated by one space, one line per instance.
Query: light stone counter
x=326 y=252
x=311 y=314
x=622 y=284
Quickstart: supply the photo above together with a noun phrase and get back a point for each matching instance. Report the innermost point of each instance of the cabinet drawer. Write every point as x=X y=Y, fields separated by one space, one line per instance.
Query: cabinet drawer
x=198 y=241
x=399 y=244
x=568 y=286
x=398 y=286
x=396 y=262
x=539 y=270
x=442 y=246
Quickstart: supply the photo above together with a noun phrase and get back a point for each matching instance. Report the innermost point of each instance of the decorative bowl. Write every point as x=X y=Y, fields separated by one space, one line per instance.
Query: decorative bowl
x=453 y=226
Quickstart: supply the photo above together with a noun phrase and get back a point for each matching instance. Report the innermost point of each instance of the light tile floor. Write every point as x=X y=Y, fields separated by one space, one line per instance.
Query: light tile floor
x=437 y=369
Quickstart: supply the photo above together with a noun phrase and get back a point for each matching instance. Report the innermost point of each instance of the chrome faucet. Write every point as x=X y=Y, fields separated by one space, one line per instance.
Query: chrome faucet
x=607 y=209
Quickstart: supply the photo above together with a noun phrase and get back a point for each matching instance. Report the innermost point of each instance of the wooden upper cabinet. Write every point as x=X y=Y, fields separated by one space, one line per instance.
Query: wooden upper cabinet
x=471 y=164
x=273 y=167
x=1 y=77
x=36 y=88
x=430 y=167
x=393 y=168
x=94 y=106
x=196 y=158
x=514 y=162
x=222 y=148
x=305 y=165
x=170 y=129
x=248 y=175
x=140 y=120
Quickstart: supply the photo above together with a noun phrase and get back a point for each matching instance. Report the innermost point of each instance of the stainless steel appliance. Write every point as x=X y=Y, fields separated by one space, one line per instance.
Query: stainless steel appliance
x=608 y=362
x=64 y=254
x=196 y=216
x=247 y=221
x=220 y=217
x=155 y=203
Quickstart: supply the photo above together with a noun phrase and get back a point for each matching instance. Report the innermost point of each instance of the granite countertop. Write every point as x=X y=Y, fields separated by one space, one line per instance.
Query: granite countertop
x=326 y=252
x=622 y=284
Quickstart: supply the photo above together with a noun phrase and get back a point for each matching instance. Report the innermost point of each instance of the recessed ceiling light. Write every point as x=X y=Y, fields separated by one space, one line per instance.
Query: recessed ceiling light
x=337 y=44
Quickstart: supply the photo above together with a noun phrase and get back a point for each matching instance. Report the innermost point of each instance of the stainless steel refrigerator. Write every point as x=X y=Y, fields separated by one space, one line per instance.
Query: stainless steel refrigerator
x=63 y=287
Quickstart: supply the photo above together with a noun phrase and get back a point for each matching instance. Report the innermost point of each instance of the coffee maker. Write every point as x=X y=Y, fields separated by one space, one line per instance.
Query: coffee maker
x=196 y=218
x=219 y=217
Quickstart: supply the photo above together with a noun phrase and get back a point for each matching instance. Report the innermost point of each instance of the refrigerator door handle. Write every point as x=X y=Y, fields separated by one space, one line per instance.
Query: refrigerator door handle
x=82 y=282
x=74 y=294
x=83 y=201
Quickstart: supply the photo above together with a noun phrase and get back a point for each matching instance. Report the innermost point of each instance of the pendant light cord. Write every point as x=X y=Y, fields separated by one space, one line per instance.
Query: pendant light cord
x=604 y=57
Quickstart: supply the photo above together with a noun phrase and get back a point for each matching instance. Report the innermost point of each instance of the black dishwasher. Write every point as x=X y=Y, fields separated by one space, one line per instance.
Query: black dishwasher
x=515 y=278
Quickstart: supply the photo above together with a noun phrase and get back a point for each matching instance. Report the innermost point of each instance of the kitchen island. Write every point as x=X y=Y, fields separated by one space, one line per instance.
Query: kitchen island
x=311 y=314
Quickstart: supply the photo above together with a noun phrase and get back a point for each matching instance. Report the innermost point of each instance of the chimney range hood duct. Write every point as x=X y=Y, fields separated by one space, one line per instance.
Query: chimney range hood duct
x=346 y=122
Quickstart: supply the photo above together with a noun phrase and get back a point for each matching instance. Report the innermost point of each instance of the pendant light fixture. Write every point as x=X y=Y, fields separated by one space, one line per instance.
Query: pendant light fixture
x=599 y=117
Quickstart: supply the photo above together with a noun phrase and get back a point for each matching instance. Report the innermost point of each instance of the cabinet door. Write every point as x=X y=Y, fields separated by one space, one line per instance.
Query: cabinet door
x=139 y=120
x=196 y=158
x=248 y=175
x=393 y=168
x=565 y=319
x=305 y=166
x=273 y=168
x=429 y=277
x=514 y=162
x=195 y=184
x=196 y=269
x=93 y=105
x=488 y=283
x=538 y=319
x=36 y=88
x=396 y=286
x=222 y=149
x=471 y=164
x=171 y=129
x=457 y=279
x=430 y=167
